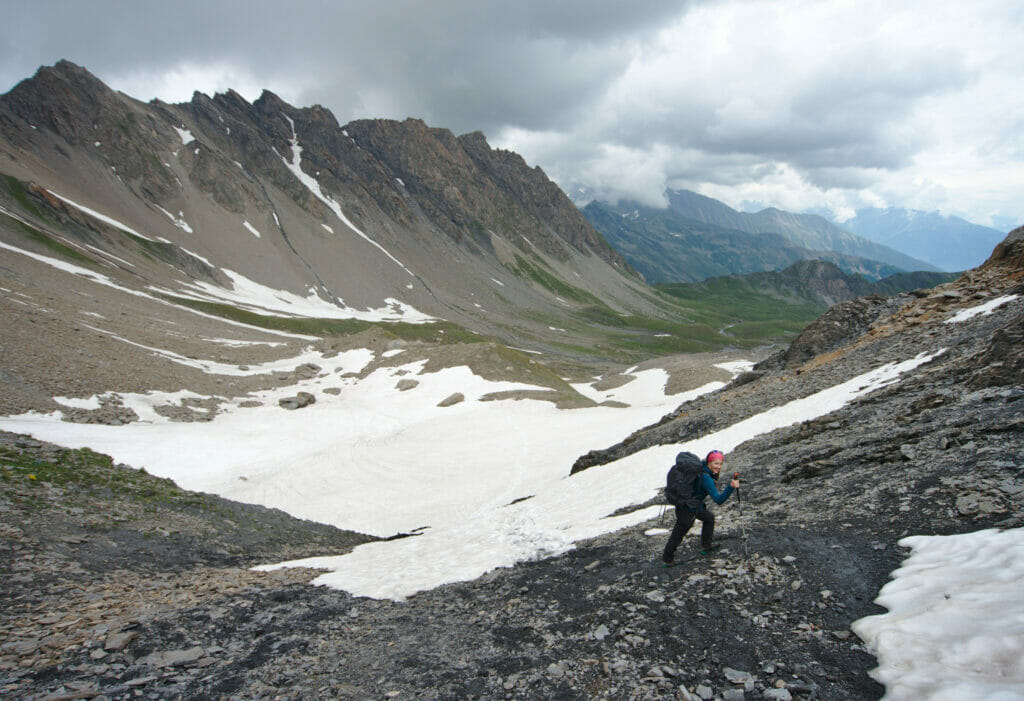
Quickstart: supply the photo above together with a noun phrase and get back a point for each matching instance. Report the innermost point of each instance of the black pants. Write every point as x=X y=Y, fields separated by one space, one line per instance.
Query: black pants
x=684 y=519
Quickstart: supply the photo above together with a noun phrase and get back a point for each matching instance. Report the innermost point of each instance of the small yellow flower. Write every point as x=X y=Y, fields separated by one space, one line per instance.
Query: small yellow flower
x=31 y=477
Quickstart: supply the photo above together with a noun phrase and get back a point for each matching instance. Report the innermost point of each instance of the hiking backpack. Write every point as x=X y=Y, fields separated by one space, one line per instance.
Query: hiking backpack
x=681 y=481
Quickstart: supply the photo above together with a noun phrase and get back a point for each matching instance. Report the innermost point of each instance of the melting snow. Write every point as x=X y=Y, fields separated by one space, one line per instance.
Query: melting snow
x=955 y=626
x=295 y=165
x=102 y=217
x=982 y=309
x=251 y=295
x=179 y=221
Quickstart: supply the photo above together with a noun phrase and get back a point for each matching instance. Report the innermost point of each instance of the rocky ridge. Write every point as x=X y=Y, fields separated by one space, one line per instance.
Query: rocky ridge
x=360 y=214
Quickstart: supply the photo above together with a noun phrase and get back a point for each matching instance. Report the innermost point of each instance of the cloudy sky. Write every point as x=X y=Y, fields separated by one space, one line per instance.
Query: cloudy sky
x=807 y=105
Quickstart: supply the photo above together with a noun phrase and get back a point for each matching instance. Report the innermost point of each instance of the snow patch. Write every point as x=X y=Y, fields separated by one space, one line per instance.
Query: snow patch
x=982 y=309
x=955 y=625
x=92 y=402
x=253 y=296
x=179 y=221
x=101 y=217
x=295 y=165
x=251 y=228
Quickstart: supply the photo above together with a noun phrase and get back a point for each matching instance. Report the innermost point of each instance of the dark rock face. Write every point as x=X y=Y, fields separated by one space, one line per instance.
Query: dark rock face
x=840 y=325
x=470 y=188
x=73 y=104
x=542 y=198
x=1009 y=255
x=1001 y=361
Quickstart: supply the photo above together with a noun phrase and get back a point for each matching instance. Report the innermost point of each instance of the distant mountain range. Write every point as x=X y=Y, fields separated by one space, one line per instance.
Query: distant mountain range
x=947 y=242
x=698 y=237
x=814 y=283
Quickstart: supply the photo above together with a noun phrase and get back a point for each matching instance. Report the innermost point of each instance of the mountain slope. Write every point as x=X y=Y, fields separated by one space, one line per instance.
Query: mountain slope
x=289 y=198
x=947 y=242
x=665 y=246
x=279 y=218
x=807 y=230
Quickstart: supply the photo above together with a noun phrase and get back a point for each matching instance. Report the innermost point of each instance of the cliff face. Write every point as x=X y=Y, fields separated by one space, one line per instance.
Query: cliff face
x=469 y=189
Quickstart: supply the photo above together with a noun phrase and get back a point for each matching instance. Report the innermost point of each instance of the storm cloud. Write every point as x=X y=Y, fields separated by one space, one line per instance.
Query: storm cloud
x=793 y=103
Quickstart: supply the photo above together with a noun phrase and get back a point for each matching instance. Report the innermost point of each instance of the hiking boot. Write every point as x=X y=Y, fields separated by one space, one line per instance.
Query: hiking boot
x=667 y=562
x=708 y=551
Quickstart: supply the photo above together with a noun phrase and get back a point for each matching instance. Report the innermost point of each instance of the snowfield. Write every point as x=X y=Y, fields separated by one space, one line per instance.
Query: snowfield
x=485 y=484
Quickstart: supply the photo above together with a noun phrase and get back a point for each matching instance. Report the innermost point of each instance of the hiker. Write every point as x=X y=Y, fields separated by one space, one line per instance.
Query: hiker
x=690 y=481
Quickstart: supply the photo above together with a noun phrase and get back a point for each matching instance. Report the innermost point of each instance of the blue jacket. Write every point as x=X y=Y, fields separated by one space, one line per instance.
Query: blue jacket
x=706 y=487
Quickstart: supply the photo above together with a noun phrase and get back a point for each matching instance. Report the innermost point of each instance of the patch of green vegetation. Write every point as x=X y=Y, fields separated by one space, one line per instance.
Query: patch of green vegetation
x=743 y=316
x=720 y=299
x=442 y=332
x=552 y=282
x=21 y=197
x=86 y=473
x=759 y=330
x=51 y=243
x=699 y=321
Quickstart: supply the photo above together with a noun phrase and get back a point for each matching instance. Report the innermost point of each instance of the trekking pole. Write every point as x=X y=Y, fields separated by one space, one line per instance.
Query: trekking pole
x=743 y=529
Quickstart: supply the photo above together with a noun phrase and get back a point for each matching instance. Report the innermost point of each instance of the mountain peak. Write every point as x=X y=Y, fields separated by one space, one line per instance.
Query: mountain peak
x=66 y=99
x=269 y=102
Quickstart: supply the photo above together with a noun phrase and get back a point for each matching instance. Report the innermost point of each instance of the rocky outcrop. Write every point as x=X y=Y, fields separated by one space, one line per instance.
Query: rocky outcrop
x=299 y=401
x=1000 y=363
x=840 y=325
x=1008 y=256
x=452 y=399
x=70 y=102
x=550 y=207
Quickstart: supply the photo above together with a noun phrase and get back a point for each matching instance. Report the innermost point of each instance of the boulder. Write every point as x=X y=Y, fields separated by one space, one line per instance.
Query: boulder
x=452 y=400
x=299 y=401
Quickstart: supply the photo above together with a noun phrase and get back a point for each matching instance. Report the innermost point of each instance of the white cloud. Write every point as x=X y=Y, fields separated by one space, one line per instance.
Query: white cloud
x=810 y=105
x=177 y=83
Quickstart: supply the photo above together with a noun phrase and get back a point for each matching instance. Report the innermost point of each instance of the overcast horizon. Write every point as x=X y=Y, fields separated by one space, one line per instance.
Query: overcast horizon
x=796 y=104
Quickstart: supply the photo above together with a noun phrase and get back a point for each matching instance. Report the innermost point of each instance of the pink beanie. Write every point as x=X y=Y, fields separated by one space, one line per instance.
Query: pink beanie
x=714 y=455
